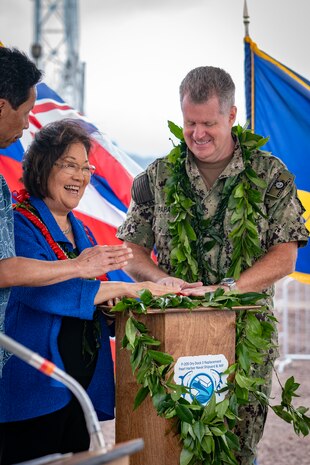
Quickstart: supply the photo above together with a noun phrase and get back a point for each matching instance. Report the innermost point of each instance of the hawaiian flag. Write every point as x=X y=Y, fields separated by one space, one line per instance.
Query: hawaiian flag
x=278 y=106
x=106 y=199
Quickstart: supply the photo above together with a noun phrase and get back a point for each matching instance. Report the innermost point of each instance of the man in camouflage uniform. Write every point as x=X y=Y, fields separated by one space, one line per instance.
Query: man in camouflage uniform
x=213 y=155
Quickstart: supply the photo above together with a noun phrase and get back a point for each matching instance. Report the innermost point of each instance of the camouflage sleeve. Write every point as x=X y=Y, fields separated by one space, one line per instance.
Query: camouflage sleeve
x=137 y=227
x=285 y=210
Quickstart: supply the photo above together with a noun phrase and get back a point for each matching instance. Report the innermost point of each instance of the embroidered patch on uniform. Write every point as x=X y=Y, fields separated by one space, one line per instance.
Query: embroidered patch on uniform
x=141 y=191
x=281 y=182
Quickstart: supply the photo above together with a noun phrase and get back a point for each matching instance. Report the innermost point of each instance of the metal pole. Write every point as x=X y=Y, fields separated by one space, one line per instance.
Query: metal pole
x=56 y=48
x=246 y=19
x=36 y=48
x=49 y=369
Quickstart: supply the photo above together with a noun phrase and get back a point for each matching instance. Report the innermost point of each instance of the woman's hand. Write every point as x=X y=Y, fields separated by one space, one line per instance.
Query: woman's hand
x=109 y=290
x=99 y=260
x=112 y=302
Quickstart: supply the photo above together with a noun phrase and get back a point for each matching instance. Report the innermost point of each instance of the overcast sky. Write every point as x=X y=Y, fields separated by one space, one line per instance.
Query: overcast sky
x=138 y=51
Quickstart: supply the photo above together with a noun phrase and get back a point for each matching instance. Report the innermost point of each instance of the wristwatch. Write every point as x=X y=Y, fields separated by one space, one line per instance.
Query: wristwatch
x=230 y=283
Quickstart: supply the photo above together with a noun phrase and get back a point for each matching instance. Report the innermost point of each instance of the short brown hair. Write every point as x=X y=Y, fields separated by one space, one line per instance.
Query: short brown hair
x=205 y=82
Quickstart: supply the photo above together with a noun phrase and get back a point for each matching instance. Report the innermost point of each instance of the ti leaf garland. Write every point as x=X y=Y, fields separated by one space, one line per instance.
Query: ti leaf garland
x=206 y=432
x=192 y=235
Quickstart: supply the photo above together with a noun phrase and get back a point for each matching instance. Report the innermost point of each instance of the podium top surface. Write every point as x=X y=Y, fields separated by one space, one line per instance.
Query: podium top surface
x=153 y=311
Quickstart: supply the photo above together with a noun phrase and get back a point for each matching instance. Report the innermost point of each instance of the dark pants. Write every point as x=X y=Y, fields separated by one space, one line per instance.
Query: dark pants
x=58 y=432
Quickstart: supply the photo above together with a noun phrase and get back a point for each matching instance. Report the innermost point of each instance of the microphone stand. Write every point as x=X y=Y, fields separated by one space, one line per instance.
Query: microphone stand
x=50 y=369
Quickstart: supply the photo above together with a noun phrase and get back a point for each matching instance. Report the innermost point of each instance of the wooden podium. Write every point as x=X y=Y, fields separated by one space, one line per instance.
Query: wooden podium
x=202 y=331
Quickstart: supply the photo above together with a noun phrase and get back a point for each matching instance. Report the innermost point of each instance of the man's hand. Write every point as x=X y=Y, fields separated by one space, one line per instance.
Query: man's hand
x=155 y=288
x=98 y=260
x=200 y=291
x=178 y=284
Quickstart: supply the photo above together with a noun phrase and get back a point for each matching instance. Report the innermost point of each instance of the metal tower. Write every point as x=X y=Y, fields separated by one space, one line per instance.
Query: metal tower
x=56 y=48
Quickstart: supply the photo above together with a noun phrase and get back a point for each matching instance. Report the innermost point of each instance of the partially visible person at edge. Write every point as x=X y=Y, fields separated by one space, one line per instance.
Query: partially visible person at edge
x=213 y=158
x=60 y=322
x=18 y=79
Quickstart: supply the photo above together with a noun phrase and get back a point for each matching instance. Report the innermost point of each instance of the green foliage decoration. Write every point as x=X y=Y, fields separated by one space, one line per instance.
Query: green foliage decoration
x=206 y=432
x=192 y=235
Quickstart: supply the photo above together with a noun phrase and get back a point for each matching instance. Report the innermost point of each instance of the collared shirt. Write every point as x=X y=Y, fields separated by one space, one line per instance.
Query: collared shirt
x=7 y=250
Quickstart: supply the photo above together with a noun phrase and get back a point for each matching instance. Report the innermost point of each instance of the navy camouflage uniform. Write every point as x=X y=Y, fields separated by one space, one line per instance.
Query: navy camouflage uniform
x=147 y=225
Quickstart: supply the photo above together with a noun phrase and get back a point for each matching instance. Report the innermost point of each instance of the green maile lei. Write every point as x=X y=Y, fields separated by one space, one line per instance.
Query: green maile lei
x=207 y=432
x=192 y=235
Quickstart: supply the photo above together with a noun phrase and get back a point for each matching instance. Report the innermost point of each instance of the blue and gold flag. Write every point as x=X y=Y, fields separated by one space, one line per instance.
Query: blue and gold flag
x=278 y=106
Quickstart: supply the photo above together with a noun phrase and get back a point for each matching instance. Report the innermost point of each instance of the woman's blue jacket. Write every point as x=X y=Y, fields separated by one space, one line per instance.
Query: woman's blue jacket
x=33 y=318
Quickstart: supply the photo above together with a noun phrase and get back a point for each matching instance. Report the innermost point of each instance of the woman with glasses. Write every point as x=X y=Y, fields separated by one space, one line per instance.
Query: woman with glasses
x=60 y=322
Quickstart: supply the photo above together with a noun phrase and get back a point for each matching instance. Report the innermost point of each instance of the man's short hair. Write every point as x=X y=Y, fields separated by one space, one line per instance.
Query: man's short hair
x=18 y=74
x=205 y=82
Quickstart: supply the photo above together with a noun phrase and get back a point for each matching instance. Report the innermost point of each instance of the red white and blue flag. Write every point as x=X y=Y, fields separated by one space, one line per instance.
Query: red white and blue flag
x=106 y=199
x=278 y=106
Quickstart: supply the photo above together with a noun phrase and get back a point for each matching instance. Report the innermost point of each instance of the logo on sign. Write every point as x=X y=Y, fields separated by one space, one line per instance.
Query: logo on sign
x=202 y=375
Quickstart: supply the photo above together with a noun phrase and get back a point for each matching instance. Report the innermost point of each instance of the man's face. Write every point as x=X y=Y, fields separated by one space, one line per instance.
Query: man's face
x=207 y=129
x=13 y=122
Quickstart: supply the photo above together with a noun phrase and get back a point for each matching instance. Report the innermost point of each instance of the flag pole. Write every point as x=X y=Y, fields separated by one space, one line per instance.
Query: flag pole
x=246 y=19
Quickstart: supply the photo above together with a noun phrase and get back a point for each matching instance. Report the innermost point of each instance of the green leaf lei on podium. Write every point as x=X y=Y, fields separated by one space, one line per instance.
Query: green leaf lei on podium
x=192 y=235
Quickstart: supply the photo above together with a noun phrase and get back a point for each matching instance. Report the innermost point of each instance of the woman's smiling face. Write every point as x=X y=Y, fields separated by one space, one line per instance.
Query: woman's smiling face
x=67 y=186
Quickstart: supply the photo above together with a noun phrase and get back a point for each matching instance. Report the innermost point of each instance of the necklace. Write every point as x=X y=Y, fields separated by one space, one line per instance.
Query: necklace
x=26 y=209
x=68 y=230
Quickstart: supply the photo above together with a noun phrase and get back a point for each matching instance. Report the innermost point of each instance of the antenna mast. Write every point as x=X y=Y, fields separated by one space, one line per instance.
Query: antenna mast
x=56 y=48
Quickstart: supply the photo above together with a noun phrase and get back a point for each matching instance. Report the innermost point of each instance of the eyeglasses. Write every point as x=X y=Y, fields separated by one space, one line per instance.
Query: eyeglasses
x=74 y=168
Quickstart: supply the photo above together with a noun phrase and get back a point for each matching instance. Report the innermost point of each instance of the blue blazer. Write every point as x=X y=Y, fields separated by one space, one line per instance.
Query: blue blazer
x=33 y=318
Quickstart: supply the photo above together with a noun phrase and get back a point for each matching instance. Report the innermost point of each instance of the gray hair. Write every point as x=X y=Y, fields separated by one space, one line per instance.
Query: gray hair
x=207 y=81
